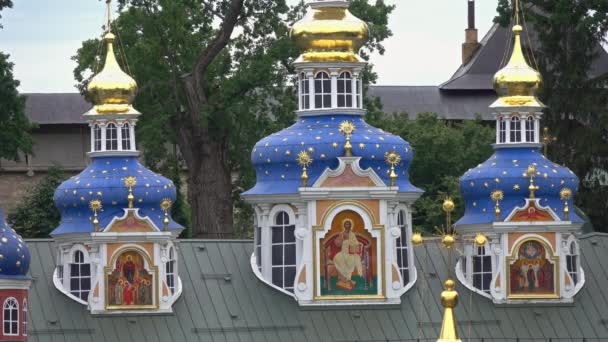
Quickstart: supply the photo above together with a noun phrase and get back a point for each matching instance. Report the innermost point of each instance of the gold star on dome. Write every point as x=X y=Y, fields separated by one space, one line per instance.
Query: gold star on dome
x=516 y=187
x=334 y=145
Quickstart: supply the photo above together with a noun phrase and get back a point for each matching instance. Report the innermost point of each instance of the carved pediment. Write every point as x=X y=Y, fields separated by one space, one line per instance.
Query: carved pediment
x=131 y=222
x=532 y=211
x=348 y=175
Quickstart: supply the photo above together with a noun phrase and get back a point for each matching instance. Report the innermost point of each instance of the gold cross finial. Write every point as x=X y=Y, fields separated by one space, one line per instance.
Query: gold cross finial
x=393 y=159
x=516 y=12
x=497 y=196
x=109 y=15
x=347 y=128
x=304 y=160
x=531 y=172
x=165 y=205
x=130 y=182
x=95 y=205
x=566 y=194
x=548 y=139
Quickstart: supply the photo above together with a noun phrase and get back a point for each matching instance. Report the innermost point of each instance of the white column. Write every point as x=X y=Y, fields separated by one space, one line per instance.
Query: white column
x=536 y=129
x=119 y=132
x=360 y=92
x=311 y=87
x=333 y=73
x=132 y=135
x=507 y=120
x=300 y=104
x=92 y=126
x=522 y=126
x=266 y=243
x=102 y=126
x=498 y=129
x=355 y=86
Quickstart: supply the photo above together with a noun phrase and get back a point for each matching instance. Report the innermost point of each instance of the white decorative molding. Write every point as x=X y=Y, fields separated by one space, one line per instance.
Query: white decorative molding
x=353 y=162
x=135 y=212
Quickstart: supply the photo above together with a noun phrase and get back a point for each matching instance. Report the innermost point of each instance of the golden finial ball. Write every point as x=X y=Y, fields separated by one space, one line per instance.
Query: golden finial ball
x=417 y=239
x=565 y=194
x=449 y=285
x=166 y=204
x=304 y=159
x=480 y=239
x=95 y=205
x=130 y=181
x=448 y=205
x=392 y=158
x=347 y=127
x=448 y=240
x=531 y=171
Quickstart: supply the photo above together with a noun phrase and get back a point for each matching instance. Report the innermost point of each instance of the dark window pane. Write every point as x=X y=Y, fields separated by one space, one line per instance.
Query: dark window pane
x=290 y=235
x=74 y=284
x=290 y=254
x=327 y=101
x=349 y=86
x=477 y=281
x=86 y=283
x=7 y=314
x=258 y=258
x=404 y=257
x=406 y=276
x=476 y=264
x=14 y=327
x=487 y=278
x=398 y=241
x=340 y=86
x=86 y=270
x=84 y=295
x=349 y=101
x=318 y=86
x=277 y=276
x=341 y=101
x=326 y=86
x=277 y=255
x=290 y=274
x=487 y=264
x=318 y=101
x=277 y=235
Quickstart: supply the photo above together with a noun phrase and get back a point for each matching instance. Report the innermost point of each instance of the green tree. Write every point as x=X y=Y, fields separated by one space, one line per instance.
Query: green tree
x=443 y=151
x=569 y=34
x=35 y=215
x=14 y=135
x=206 y=71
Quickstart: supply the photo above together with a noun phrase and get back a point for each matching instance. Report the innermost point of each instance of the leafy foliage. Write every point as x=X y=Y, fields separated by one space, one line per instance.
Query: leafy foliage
x=443 y=151
x=569 y=33
x=246 y=93
x=35 y=215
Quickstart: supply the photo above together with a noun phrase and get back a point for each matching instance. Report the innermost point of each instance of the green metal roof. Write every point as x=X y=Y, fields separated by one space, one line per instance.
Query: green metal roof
x=223 y=301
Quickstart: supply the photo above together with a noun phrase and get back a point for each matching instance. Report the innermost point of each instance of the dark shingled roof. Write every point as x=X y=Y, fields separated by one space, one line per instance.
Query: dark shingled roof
x=224 y=301
x=56 y=108
x=479 y=72
x=453 y=105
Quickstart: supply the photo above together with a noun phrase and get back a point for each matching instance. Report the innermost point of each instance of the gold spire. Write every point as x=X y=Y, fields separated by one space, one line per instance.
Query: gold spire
x=112 y=90
x=304 y=160
x=449 y=300
x=393 y=159
x=329 y=33
x=347 y=129
x=517 y=83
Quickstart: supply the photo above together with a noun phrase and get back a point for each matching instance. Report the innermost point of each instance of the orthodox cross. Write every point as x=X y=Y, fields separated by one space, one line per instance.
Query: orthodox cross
x=548 y=139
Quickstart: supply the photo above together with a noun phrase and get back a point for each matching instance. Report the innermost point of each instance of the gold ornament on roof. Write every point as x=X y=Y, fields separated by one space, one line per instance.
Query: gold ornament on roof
x=95 y=206
x=329 y=33
x=548 y=139
x=393 y=159
x=130 y=182
x=165 y=205
x=112 y=91
x=517 y=83
x=449 y=300
x=480 y=239
x=417 y=239
x=566 y=194
x=304 y=160
x=497 y=196
x=347 y=129
x=531 y=172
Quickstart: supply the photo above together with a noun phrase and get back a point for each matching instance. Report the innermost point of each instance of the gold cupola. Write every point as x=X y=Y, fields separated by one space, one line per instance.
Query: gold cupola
x=517 y=83
x=112 y=91
x=329 y=33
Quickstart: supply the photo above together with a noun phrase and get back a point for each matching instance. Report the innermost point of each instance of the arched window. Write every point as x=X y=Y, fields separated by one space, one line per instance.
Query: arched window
x=322 y=90
x=571 y=262
x=482 y=269
x=345 y=90
x=402 y=255
x=515 y=129
x=111 y=137
x=530 y=130
x=11 y=317
x=258 y=247
x=24 y=318
x=304 y=92
x=170 y=270
x=126 y=137
x=80 y=276
x=502 y=130
x=96 y=138
x=283 y=252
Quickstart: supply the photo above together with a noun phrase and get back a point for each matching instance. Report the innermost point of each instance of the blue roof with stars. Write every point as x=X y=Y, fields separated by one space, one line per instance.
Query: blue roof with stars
x=14 y=255
x=505 y=171
x=274 y=157
x=104 y=180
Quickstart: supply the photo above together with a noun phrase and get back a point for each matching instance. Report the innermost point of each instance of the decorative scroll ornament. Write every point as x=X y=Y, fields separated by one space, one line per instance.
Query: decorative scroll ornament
x=304 y=160
x=95 y=206
x=566 y=194
x=497 y=196
x=165 y=205
x=393 y=159
x=347 y=129
x=130 y=182
x=531 y=172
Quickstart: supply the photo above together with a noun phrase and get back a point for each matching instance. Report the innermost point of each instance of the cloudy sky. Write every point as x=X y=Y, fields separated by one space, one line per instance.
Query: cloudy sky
x=42 y=35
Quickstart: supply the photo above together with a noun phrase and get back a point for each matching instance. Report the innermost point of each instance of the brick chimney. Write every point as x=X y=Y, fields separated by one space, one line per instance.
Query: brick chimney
x=471 y=44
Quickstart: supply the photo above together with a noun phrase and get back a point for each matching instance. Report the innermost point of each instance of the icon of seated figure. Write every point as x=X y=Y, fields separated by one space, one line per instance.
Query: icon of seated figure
x=347 y=254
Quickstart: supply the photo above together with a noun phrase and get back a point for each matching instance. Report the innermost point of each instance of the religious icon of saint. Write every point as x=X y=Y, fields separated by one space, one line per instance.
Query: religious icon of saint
x=348 y=259
x=129 y=270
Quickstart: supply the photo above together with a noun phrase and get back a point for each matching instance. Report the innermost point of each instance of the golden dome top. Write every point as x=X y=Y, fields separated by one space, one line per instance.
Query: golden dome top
x=329 y=33
x=517 y=83
x=112 y=90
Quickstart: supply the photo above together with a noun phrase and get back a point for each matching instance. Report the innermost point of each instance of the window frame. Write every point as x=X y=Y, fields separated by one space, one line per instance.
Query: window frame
x=82 y=265
x=483 y=258
x=170 y=272
x=502 y=130
x=125 y=142
x=112 y=137
x=24 y=318
x=287 y=224
x=530 y=126
x=403 y=250
x=304 y=92
x=345 y=80
x=515 y=125
x=12 y=323
x=97 y=138
x=572 y=259
x=323 y=93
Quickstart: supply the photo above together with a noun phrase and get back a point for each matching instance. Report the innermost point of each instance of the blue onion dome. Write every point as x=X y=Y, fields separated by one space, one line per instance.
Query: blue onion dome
x=14 y=255
x=104 y=180
x=274 y=157
x=505 y=171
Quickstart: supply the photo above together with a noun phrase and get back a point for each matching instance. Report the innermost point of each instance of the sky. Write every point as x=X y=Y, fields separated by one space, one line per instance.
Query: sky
x=41 y=36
